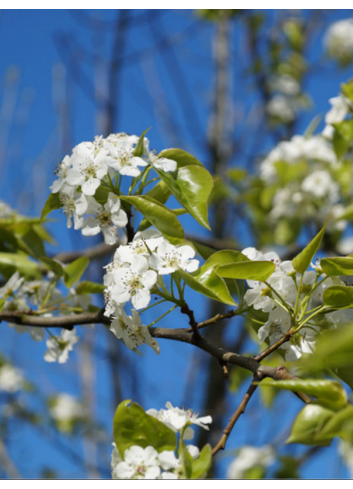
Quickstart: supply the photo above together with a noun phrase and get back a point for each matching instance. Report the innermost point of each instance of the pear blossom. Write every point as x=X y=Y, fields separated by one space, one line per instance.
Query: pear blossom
x=59 y=347
x=74 y=206
x=61 y=172
x=121 y=157
x=143 y=244
x=65 y=407
x=11 y=286
x=282 y=107
x=11 y=379
x=249 y=457
x=180 y=419
x=88 y=167
x=107 y=219
x=133 y=283
x=339 y=40
x=320 y=184
x=161 y=163
x=138 y=463
x=169 y=258
x=131 y=330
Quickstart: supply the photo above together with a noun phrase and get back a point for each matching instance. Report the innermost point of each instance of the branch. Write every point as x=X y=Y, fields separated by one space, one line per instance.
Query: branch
x=239 y=411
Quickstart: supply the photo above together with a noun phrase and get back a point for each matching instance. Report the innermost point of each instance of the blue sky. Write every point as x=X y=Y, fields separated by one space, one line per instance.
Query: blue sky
x=35 y=133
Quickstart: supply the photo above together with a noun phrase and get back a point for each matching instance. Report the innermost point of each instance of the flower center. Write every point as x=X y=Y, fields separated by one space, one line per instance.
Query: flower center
x=173 y=259
x=104 y=218
x=90 y=171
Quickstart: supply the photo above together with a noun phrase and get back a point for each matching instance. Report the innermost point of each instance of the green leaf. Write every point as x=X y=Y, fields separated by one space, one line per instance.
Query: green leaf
x=202 y=465
x=342 y=137
x=191 y=185
x=11 y=263
x=248 y=270
x=180 y=156
x=53 y=202
x=208 y=283
x=341 y=424
x=347 y=89
x=302 y=261
x=338 y=296
x=52 y=265
x=159 y=192
x=2 y=304
x=159 y=215
x=132 y=426
x=328 y=393
x=308 y=424
x=138 y=151
x=337 y=266
x=186 y=460
x=225 y=257
x=75 y=270
x=87 y=287
x=333 y=350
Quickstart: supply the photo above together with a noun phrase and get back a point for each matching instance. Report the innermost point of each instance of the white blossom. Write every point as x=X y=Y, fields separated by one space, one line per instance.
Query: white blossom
x=88 y=167
x=11 y=286
x=11 y=379
x=180 y=419
x=249 y=457
x=59 y=347
x=107 y=218
x=61 y=172
x=161 y=163
x=131 y=330
x=169 y=258
x=339 y=39
x=65 y=407
x=122 y=159
x=320 y=184
x=138 y=463
x=133 y=283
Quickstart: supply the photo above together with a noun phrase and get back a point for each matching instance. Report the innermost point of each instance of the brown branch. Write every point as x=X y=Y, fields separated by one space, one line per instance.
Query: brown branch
x=194 y=325
x=239 y=411
x=216 y=318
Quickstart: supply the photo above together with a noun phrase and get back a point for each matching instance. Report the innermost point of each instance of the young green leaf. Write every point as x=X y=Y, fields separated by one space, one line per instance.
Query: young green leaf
x=308 y=424
x=52 y=265
x=248 y=270
x=341 y=424
x=159 y=215
x=338 y=296
x=225 y=257
x=180 y=156
x=202 y=465
x=75 y=270
x=191 y=186
x=337 y=266
x=53 y=202
x=302 y=261
x=342 y=137
x=208 y=283
x=328 y=393
x=12 y=262
x=138 y=151
x=132 y=426
x=87 y=287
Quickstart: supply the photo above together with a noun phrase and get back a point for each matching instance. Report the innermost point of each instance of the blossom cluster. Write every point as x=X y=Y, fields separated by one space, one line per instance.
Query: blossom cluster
x=147 y=463
x=315 y=189
x=285 y=101
x=99 y=164
x=133 y=275
x=250 y=457
x=22 y=296
x=282 y=288
x=339 y=40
